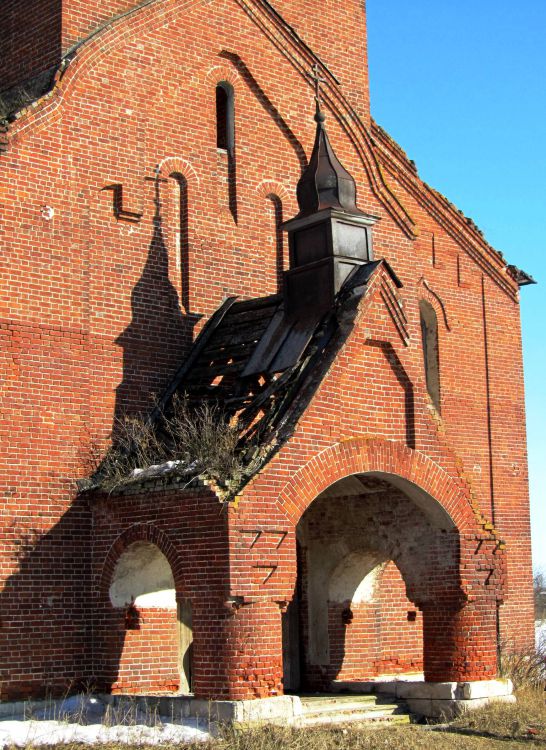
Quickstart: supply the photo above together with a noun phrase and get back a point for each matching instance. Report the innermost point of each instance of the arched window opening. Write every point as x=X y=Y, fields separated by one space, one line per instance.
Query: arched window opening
x=143 y=588
x=181 y=236
x=279 y=239
x=225 y=143
x=431 y=358
x=225 y=121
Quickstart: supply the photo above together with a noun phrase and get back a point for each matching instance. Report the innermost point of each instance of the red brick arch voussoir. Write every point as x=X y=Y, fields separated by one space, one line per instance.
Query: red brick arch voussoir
x=369 y=454
x=141 y=532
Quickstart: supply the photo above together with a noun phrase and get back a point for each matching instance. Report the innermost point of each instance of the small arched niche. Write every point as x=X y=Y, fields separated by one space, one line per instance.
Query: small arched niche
x=181 y=224
x=276 y=205
x=143 y=577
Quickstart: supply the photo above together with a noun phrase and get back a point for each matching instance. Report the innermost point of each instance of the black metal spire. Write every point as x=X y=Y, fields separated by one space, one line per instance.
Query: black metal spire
x=325 y=182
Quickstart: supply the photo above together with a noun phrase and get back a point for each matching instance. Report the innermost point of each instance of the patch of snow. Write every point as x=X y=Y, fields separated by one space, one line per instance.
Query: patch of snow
x=88 y=720
x=156 y=470
x=23 y=733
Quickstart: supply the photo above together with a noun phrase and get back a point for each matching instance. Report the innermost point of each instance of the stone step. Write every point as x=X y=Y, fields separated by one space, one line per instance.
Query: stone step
x=309 y=709
x=355 y=709
x=350 y=702
x=355 y=717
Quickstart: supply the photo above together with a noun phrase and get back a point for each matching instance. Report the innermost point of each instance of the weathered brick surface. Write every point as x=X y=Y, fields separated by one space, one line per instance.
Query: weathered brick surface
x=104 y=283
x=382 y=637
x=30 y=39
x=190 y=529
x=36 y=34
x=144 y=659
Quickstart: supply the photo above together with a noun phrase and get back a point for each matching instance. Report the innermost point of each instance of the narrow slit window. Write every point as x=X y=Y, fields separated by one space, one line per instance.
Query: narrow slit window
x=224 y=117
x=431 y=356
x=279 y=239
x=181 y=222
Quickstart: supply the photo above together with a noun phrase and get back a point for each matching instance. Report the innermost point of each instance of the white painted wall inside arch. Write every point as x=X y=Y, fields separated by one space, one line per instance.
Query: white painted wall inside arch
x=143 y=576
x=355 y=578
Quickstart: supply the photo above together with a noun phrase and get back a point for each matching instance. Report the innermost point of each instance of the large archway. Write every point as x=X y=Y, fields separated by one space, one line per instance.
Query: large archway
x=374 y=550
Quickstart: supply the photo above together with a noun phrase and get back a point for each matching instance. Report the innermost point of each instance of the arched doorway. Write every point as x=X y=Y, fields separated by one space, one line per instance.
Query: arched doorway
x=374 y=549
x=155 y=656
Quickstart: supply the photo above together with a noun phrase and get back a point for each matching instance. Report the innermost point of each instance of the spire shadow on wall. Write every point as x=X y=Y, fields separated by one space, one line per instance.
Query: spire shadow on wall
x=160 y=333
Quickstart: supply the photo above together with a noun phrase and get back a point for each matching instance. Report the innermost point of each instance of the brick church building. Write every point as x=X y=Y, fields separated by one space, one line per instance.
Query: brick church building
x=197 y=208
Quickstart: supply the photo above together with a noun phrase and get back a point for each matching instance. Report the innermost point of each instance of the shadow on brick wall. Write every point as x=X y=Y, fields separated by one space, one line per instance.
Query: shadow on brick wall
x=268 y=106
x=45 y=624
x=159 y=335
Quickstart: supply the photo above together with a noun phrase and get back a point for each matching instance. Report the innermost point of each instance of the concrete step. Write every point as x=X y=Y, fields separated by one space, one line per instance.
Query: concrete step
x=334 y=707
x=313 y=703
x=363 y=709
x=356 y=717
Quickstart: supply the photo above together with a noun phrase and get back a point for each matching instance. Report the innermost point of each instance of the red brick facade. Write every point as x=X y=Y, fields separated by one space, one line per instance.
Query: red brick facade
x=122 y=229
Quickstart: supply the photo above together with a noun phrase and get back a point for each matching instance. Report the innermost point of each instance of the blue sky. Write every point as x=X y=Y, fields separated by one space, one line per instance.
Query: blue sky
x=461 y=85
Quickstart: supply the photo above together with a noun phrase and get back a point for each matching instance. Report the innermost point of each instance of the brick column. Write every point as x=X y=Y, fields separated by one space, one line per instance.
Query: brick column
x=459 y=642
x=253 y=651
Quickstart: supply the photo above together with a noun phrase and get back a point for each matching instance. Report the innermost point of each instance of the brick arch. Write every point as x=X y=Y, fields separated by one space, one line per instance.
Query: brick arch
x=171 y=165
x=222 y=72
x=141 y=532
x=266 y=188
x=369 y=454
x=276 y=195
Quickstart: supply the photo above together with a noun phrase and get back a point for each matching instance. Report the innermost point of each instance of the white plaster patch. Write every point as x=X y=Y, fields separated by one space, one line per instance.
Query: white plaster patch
x=47 y=212
x=365 y=590
x=355 y=578
x=143 y=576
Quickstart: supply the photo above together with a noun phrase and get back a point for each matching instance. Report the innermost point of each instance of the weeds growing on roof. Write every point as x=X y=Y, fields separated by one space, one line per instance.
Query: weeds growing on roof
x=198 y=442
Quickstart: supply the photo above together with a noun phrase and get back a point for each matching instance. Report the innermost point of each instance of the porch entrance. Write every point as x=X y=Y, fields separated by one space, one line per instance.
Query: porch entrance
x=372 y=549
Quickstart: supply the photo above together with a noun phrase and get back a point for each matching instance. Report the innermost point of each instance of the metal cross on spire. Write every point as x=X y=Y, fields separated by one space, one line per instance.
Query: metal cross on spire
x=315 y=77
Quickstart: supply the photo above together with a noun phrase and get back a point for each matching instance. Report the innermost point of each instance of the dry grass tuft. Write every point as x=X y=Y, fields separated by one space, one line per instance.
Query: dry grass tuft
x=525 y=667
x=201 y=442
x=523 y=720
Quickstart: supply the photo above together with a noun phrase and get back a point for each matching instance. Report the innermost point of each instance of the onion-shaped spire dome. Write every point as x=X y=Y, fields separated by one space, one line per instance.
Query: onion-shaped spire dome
x=325 y=182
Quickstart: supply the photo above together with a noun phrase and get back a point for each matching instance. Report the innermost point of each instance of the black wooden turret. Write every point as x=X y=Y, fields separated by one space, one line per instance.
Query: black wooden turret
x=329 y=237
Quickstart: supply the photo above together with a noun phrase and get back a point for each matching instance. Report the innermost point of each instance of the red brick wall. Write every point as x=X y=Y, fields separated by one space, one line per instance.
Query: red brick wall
x=383 y=637
x=327 y=32
x=82 y=17
x=34 y=34
x=45 y=620
x=100 y=302
x=30 y=38
x=146 y=658
x=189 y=529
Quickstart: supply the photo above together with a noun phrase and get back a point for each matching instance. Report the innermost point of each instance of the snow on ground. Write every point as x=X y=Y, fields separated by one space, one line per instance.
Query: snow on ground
x=89 y=720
